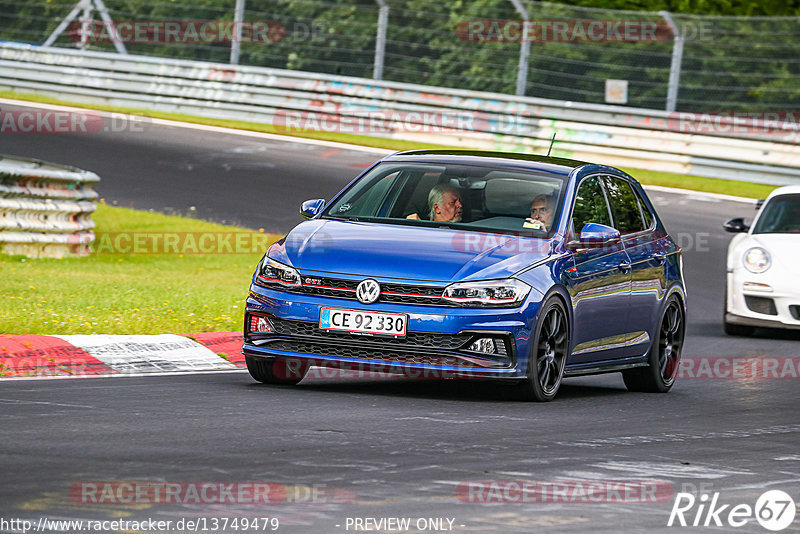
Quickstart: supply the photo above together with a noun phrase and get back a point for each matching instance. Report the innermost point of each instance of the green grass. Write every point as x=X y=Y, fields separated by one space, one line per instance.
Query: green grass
x=114 y=293
x=696 y=183
x=699 y=183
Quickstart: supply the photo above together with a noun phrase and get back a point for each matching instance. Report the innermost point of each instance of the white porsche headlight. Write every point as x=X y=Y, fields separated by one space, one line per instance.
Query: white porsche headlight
x=272 y=272
x=508 y=292
x=757 y=260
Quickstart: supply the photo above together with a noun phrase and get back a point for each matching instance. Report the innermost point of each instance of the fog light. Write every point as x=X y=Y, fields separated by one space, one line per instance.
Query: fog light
x=488 y=345
x=260 y=325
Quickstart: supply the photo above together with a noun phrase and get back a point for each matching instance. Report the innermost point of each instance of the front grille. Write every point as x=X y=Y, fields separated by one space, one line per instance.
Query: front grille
x=383 y=355
x=420 y=339
x=795 y=311
x=761 y=305
x=346 y=289
x=415 y=347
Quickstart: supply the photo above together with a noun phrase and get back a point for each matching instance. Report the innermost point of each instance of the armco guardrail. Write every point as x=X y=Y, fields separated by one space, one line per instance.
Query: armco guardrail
x=614 y=135
x=45 y=209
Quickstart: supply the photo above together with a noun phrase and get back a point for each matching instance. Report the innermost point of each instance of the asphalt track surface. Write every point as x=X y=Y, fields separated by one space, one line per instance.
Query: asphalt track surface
x=383 y=448
x=232 y=179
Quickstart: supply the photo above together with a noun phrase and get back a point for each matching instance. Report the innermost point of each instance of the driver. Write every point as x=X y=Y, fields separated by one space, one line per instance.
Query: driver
x=444 y=203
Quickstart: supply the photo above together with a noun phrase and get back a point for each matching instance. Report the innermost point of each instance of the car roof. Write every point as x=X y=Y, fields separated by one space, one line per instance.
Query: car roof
x=501 y=159
x=785 y=190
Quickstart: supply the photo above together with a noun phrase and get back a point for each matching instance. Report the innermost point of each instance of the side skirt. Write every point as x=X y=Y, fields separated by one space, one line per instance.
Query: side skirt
x=613 y=366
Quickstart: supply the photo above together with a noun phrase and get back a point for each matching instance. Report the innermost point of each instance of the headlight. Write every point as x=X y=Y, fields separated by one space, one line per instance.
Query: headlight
x=757 y=260
x=509 y=292
x=274 y=272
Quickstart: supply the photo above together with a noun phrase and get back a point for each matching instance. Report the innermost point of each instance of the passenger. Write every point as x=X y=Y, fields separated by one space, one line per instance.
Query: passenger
x=541 y=213
x=444 y=203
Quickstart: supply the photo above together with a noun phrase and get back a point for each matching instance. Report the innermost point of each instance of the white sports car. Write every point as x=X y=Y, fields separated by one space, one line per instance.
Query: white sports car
x=763 y=281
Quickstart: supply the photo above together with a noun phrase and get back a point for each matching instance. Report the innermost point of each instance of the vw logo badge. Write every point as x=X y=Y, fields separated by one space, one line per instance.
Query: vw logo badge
x=368 y=291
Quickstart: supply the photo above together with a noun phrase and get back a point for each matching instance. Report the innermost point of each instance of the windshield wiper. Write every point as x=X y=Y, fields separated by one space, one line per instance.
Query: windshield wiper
x=343 y=218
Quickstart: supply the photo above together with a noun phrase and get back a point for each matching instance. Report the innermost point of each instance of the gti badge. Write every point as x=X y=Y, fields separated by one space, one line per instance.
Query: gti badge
x=368 y=291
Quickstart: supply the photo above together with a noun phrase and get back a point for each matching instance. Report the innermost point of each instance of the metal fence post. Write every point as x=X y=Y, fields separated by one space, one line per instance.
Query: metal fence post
x=524 y=50
x=103 y=10
x=85 y=20
x=85 y=6
x=380 y=39
x=675 y=64
x=64 y=23
x=236 y=45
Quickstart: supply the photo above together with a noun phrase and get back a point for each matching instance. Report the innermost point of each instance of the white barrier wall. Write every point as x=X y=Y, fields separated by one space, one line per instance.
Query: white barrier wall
x=613 y=135
x=45 y=209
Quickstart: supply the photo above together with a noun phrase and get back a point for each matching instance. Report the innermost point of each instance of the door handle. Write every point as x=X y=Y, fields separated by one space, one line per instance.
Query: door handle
x=624 y=267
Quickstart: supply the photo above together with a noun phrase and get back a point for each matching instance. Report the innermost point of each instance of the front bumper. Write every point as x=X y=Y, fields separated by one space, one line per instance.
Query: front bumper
x=775 y=303
x=436 y=343
x=756 y=321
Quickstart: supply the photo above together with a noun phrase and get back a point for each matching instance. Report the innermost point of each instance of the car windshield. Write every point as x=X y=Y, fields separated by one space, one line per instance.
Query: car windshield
x=459 y=196
x=781 y=215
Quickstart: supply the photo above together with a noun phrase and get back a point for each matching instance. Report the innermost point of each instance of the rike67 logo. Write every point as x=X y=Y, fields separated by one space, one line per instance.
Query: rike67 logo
x=774 y=510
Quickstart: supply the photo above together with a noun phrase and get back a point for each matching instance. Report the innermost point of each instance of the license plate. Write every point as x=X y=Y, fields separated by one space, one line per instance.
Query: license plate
x=393 y=324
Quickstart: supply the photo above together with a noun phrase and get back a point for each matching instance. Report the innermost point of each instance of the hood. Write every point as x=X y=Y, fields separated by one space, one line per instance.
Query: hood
x=783 y=248
x=407 y=252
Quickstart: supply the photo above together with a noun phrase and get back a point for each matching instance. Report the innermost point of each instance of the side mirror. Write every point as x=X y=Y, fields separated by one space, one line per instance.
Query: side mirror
x=736 y=226
x=311 y=208
x=759 y=203
x=594 y=235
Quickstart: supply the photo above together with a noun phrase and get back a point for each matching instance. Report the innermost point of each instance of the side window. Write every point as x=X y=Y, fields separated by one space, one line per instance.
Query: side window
x=648 y=217
x=624 y=205
x=590 y=205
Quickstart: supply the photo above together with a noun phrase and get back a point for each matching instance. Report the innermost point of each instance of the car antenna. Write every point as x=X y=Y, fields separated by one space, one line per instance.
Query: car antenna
x=553 y=140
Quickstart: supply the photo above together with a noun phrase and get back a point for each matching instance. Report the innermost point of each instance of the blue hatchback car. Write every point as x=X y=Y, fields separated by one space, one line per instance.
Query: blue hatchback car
x=464 y=264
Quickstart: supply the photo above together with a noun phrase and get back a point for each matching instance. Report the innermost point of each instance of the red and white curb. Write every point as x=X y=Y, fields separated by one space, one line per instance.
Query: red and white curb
x=118 y=355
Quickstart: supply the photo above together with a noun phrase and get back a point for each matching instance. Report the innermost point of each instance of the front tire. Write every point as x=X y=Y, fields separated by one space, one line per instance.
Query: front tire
x=665 y=353
x=278 y=371
x=548 y=354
